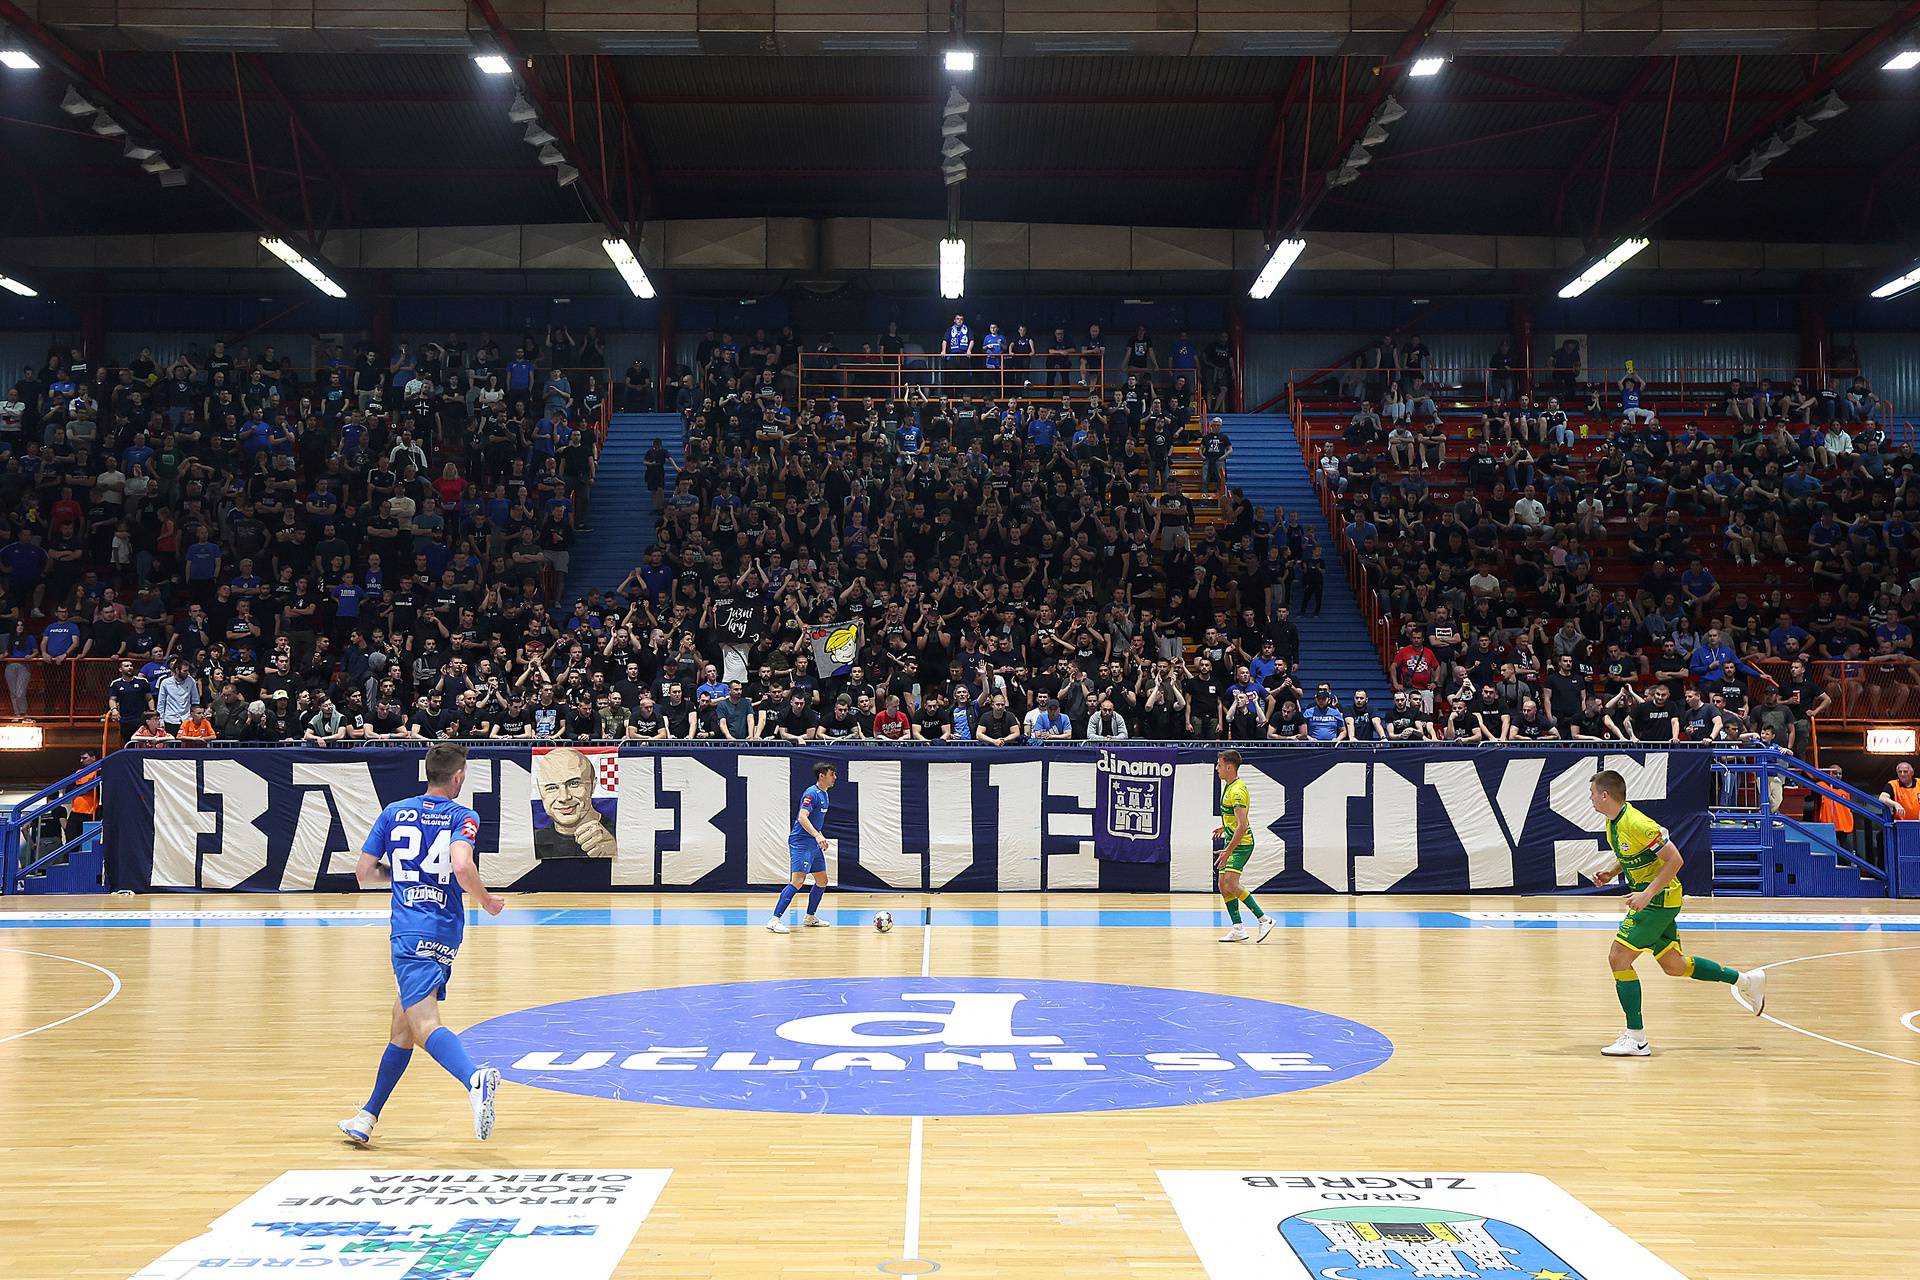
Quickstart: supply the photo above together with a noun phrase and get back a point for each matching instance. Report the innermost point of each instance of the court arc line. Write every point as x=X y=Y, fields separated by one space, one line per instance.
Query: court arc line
x=61 y=1022
x=1844 y=1044
x=1909 y=1022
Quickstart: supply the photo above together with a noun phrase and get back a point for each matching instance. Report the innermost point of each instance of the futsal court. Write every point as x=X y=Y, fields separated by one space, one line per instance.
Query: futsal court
x=164 y=1058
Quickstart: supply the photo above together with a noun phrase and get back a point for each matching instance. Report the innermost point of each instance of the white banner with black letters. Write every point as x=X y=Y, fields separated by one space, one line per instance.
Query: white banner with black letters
x=1348 y=819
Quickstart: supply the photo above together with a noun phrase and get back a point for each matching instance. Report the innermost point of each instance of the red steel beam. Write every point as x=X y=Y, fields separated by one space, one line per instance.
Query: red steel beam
x=555 y=117
x=633 y=151
x=1743 y=140
x=1392 y=73
x=176 y=148
x=1273 y=161
x=1602 y=136
x=296 y=120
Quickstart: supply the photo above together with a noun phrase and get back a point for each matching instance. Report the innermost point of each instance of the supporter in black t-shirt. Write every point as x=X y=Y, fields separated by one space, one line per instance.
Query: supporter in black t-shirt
x=1656 y=719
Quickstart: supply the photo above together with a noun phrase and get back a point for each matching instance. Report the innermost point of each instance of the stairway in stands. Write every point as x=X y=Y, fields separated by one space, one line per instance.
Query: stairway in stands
x=1268 y=467
x=621 y=516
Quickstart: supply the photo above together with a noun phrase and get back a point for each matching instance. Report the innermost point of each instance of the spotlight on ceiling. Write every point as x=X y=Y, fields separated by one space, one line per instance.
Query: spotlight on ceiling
x=953 y=267
x=1279 y=262
x=1600 y=270
x=493 y=64
x=1429 y=66
x=1905 y=60
x=959 y=60
x=18 y=60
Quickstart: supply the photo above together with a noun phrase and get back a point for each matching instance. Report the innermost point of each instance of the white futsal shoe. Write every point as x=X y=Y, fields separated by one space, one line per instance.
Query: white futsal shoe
x=815 y=922
x=1631 y=1044
x=486 y=1083
x=359 y=1129
x=1236 y=934
x=777 y=925
x=1262 y=929
x=1751 y=991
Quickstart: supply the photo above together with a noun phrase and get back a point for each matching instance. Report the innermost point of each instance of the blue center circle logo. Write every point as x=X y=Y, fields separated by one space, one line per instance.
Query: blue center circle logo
x=924 y=1046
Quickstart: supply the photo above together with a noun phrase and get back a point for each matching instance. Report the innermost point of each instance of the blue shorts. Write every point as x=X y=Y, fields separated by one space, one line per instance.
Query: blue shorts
x=421 y=968
x=802 y=860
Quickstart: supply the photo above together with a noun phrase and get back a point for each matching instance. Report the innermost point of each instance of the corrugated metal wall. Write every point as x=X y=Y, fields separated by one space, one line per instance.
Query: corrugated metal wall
x=1892 y=361
x=1273 y=357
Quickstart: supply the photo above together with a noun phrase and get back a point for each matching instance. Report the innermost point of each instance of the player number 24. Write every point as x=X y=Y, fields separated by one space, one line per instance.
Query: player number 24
x=437 y=863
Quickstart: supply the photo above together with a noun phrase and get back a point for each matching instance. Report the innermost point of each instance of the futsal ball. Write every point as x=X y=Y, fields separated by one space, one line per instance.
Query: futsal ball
x=883 y=922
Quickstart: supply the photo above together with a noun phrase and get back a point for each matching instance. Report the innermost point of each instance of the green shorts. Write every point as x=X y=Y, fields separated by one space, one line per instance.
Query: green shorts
x=1654 y=930
x=1237 y=860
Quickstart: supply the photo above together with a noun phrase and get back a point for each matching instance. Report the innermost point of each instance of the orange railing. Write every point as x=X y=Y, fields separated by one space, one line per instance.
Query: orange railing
x=863 y=376
x=54 y=690
x=1860 y=692
x=1673 y=390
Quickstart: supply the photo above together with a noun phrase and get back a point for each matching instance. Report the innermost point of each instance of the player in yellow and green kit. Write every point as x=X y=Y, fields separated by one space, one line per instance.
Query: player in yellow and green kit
x=1235 y=838
x=1652 y=864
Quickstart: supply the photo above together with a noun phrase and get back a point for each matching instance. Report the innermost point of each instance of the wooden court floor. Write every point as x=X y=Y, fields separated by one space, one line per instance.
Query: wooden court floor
x=1743 y=1148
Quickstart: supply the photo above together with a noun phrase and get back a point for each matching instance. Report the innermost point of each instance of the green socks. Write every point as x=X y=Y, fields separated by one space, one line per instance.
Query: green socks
x=1253 y=906
x=1701 y=969
x=1627 y=987
x=1233 y=910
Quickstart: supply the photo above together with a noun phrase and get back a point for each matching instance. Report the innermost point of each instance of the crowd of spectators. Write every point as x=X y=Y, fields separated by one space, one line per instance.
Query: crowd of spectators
x=370 y=551
x=364 y=547
x=1556 y=571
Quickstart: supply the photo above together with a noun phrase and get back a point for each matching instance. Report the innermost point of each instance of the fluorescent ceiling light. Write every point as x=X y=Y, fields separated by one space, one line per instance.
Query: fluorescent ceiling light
x=1600 y=270
x=1426 y=66
x=493 y=64
x=17 y=60
x=1898 y=285
x=629 y=267
x=1905 y=60
x=959 y=59
x=307 y=271
x=1285 y=254
x=14 y=286
x=953 y=268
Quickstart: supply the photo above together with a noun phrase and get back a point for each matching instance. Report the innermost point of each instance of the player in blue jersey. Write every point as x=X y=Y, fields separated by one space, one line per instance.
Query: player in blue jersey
x=423 y=847
x=807 y=851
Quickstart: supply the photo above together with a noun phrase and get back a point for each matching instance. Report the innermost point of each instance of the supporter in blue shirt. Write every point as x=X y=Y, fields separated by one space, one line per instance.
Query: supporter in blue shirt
x=520 y=372
x=1325 y=720
x=1041 y=432
x=909 y=436
x=203 y=560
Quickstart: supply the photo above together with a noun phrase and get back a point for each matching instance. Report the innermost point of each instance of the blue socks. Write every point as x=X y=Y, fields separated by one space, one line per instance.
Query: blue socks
x=393 y=1065
x=786 y=900
x=451 y=1054
x=813 y=899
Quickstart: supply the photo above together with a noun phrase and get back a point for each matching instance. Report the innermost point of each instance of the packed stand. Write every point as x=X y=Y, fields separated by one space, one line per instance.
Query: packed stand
x=264 y=553
x=1568 y=563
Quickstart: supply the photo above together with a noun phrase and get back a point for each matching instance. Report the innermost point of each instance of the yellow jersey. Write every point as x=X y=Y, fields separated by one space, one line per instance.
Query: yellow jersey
x=1234 y=796
x=1637 y=841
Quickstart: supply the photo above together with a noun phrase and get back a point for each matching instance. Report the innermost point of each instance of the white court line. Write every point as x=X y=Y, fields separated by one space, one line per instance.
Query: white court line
x=1908 y=1022
x=1829 y=955
x=911 y=1236
x=48 y=955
